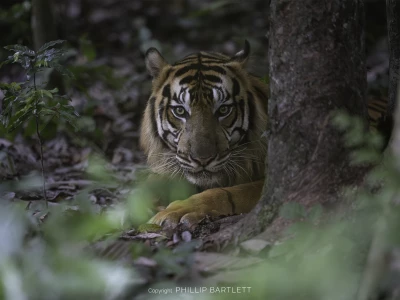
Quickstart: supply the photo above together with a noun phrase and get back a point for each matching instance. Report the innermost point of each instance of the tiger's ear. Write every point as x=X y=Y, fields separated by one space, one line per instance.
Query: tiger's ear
x=243 y=55
x=154 y=62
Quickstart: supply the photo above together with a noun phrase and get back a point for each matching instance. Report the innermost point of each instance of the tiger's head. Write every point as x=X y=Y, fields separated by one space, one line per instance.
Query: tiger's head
x=205 y=118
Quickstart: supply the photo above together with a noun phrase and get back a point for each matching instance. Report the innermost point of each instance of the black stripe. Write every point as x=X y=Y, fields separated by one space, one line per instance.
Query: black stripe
x=199 y=67
x=166 y=92
x=210 y=56
x=233 y=120
x=212 y=78
x=227 y=96
x=235 y=87
x=168 y=73
x=241 y=106
x=235 y=72
x=152 y=115
x=240 y=130
x=154 y=120
x=191 y=57
x=252 y=110
x=213 y=61
x=187 y=80
x=217 y=69
x=381 y=106
x=186 y=69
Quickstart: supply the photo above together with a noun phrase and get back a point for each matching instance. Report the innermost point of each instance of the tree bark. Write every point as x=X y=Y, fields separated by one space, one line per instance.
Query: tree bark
x=393 y=25
x=44 y=30
x=316 y=60
x=395 y=143
x=43 y=24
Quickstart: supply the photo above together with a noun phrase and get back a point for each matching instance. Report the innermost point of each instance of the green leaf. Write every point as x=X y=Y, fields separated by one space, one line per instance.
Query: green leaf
x=362 y=156
x=21 y=50
x=21 y=117
x=341 y=119
x=24 y=61
x=45 y=93
x=69 y=116
x=50 y=44
x=375 y=140
x=50 y=55
x=47 y=112
x=30 y=128
x=10 y=87
x=69 y=109
x=61 y=69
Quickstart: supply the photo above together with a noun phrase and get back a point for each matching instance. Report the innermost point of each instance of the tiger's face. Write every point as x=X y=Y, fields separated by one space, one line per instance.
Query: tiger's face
x=200 y=110
x=202 y=121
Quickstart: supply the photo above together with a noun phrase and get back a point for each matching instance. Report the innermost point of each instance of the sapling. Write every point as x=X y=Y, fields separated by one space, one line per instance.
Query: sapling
x=28 y=100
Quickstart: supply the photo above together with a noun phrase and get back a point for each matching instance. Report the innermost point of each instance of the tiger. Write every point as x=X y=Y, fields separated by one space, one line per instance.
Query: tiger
x=204 y=121
x=379 y=118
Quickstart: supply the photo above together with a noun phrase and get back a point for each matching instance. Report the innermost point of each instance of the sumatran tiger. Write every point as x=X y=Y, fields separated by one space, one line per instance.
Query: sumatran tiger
x=204 y=121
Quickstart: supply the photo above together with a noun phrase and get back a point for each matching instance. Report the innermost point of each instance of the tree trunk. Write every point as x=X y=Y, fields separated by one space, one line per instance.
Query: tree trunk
x=43 y=24
x=44 y=30
x=316 y=60
x=395 y=143
x=393 y=24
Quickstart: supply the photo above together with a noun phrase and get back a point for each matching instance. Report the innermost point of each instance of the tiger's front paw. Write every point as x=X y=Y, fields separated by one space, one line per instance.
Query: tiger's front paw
x=183 y=211
x=212 y=203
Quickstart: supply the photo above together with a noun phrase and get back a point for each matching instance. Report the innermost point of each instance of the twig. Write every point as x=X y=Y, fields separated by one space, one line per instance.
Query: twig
x=41 y=160
x=40 y=142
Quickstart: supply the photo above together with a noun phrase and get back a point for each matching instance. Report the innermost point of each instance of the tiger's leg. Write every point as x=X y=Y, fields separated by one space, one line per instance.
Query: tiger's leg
x=213 y=202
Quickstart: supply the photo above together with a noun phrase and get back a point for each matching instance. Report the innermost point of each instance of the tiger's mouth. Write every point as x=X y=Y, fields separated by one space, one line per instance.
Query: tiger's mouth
x=207 y=179
x=214 y=174
x=194 y=168
x=201 y=173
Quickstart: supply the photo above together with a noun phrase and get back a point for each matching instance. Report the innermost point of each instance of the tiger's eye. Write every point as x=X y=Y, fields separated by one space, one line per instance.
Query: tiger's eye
x=224 y=110
x=179 y=110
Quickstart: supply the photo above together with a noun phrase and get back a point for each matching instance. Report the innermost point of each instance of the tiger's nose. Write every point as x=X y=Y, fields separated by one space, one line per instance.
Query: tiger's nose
x=203 y=161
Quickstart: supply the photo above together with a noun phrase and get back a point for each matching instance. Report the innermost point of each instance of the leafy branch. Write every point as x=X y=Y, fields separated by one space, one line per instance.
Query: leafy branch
x=27 y=100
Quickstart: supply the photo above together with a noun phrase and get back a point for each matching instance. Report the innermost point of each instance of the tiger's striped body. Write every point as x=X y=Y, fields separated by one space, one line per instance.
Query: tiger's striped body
x=379 y=120
x=204 y=121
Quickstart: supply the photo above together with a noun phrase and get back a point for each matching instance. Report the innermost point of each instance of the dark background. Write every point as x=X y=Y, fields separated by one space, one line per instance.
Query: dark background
x=106 y=41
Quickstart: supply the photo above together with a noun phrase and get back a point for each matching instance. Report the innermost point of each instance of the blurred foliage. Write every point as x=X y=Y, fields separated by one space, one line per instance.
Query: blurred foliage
x=50 y=260
x=366 y=143
x=47 y=253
